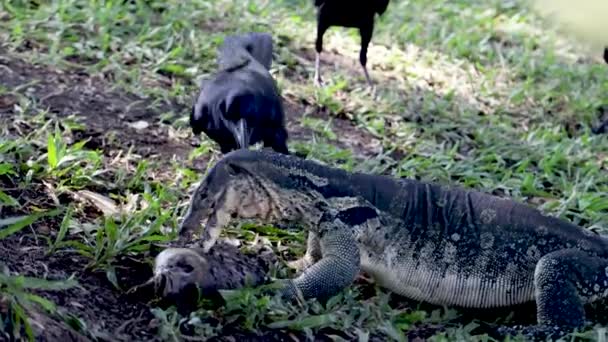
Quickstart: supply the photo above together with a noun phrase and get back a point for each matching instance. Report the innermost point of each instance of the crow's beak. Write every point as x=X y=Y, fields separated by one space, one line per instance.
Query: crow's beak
x=240 y=133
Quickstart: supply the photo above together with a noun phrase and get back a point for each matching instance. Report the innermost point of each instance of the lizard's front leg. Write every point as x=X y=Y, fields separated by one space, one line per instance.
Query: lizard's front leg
x=313 y=254
x=336 y=270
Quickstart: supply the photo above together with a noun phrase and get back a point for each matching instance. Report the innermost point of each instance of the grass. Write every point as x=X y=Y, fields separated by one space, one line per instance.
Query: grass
x=476 y=93
x=17 y=296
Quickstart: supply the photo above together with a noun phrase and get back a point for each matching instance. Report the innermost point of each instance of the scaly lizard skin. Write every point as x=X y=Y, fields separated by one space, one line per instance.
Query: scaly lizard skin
x=443 y=245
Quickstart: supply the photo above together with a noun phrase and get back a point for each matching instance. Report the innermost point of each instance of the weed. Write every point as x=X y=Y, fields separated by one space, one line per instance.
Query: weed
x=17 y=299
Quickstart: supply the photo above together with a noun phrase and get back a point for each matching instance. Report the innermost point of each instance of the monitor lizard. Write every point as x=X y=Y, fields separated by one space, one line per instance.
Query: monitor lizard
x=429 y=242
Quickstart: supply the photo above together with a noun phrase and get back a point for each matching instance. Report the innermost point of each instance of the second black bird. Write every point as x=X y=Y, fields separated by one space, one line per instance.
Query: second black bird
x=347 y=13
x=240 y=105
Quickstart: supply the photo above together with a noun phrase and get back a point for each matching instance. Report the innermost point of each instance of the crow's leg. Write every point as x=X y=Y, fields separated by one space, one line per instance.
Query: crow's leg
x=366 y=32
x=321 y=29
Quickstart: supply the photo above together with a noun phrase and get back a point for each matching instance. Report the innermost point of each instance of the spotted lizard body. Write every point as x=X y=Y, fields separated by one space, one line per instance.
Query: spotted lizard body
x=443 y=245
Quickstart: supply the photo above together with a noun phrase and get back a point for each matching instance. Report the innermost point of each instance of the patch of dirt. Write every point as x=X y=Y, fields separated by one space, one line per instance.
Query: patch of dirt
x=120 y=120
x=107 y=314
x=349 y=136
x=445 y=78
x=332 y=59
x=413 y=96
x=112 y=117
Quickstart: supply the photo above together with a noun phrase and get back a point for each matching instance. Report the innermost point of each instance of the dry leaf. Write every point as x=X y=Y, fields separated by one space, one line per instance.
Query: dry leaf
x=139 y=125
x=51 y=192
x=103 y=203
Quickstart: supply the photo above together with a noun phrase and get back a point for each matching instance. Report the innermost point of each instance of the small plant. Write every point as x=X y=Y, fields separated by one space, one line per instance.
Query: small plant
x=74 y=166
x=17 y=299
x=12 y=225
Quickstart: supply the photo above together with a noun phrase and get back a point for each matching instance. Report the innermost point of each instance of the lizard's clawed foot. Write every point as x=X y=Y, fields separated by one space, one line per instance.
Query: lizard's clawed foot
x=301 y=264
x=289 y=292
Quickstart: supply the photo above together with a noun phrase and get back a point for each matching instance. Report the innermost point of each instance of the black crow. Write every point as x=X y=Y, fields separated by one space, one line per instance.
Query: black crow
x=602 y=127
x=240 y=105
x=347 y=13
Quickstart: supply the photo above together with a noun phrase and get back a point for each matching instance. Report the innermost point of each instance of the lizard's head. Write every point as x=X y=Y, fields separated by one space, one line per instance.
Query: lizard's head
x=177 y=270
x=231 y=190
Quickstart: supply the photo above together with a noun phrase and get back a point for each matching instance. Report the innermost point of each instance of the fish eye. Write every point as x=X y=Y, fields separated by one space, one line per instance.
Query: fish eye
x=185 y=267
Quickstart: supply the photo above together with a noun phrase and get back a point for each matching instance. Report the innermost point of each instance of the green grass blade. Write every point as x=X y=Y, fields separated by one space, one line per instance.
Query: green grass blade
x=8 y=200
x=52 y=157
x=38 y=283
x=63 y=229
x=46 y=304
x=17 y=224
